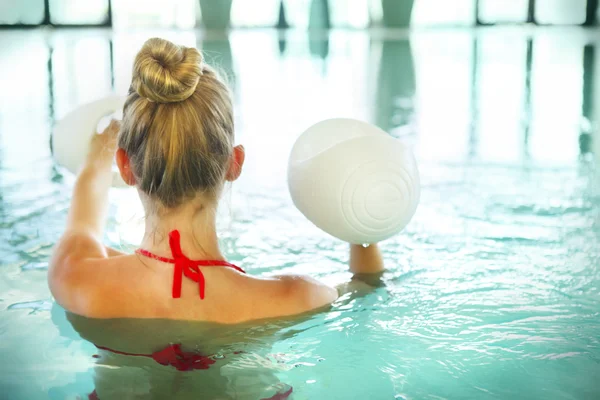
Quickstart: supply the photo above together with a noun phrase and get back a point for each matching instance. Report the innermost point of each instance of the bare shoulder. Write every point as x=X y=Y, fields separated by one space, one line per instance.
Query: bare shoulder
x=82 y=271
x=310 y=291
x=94 y=287
x=287 y=295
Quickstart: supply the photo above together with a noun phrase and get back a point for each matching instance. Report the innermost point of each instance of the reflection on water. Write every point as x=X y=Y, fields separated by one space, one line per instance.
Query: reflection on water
x=217 y=53
x=179 y=360
x=492 y=290
x=588 y=108
x=472 y=88
x=395 y=85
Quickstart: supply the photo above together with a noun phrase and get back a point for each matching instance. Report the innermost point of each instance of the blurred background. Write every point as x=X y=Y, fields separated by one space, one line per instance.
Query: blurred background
x=500 y=100
x=295 y=13
x=480 y=77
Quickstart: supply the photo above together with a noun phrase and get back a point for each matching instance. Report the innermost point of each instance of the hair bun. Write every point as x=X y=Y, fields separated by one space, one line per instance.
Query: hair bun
x=164 y=72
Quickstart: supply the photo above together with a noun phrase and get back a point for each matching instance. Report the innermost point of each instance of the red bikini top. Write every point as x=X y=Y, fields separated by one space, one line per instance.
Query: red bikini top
x=185 y=266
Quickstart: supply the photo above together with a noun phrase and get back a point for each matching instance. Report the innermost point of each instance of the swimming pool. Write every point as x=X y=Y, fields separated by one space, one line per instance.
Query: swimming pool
x=492 y=291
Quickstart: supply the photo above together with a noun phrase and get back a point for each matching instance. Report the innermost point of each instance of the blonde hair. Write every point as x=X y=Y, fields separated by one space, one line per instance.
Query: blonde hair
x=177 y=127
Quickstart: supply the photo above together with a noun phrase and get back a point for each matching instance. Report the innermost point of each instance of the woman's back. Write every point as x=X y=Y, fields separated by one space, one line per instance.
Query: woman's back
x=137 y=286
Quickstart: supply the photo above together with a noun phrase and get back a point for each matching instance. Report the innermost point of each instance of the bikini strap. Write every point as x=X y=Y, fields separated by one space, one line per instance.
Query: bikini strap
x=185 y=266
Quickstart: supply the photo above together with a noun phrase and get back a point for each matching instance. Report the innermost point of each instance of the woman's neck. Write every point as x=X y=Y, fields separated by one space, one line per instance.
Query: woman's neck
x=196 y=224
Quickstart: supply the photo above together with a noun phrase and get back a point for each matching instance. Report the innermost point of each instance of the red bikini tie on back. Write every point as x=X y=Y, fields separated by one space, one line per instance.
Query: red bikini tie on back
x=185 y=266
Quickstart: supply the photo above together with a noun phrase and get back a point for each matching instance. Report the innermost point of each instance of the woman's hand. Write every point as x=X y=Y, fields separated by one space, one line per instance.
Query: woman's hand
x=104 y=145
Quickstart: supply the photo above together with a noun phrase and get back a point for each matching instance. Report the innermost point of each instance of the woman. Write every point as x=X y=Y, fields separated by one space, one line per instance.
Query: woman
x=176 y=147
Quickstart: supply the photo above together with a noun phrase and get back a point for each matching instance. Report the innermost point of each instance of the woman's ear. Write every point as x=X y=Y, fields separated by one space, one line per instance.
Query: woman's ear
x=125 y=167
x=236 y=163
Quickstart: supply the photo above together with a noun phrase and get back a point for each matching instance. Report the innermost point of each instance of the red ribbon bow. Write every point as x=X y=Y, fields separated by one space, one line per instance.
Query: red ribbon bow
x=185 y=266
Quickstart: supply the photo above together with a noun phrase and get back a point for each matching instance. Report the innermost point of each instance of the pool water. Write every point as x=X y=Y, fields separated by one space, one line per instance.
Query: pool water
x=493 y=289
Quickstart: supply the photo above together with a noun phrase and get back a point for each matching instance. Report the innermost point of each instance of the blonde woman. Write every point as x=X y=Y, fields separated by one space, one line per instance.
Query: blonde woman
x=176 y=147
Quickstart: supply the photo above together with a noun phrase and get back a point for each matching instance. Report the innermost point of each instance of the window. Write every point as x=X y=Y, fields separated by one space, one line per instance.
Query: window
x=444 y=12
x=26 y=12
x=155 y=13
x=255 y=13
x=349 y=13
x=77 y=12
x=502 y=11
x=560 y=12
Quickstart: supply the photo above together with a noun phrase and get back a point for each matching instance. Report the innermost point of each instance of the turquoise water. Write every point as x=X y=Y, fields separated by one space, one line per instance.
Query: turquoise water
x=492 y=291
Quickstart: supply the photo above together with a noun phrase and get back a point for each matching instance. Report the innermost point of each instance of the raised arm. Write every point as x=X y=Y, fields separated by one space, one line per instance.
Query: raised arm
x=89 y=204
x=80 y=246
x=86 y=219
